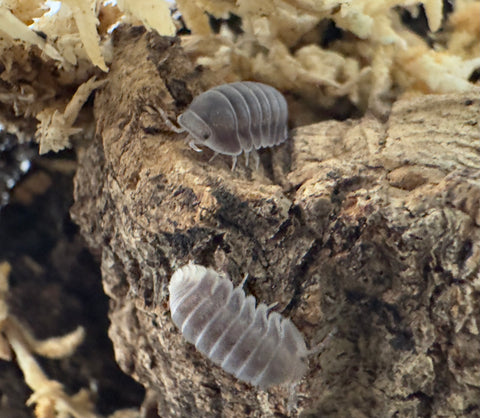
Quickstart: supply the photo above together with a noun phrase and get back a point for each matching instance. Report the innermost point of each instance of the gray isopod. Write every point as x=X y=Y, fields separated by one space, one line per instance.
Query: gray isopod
x=256 y=346
x=237 y=117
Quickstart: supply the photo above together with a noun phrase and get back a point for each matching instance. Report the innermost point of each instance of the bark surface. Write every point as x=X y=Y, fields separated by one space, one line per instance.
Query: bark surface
x=365 y=226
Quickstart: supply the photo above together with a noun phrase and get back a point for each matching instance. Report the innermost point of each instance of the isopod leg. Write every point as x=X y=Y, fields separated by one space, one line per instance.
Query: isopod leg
x=234 y=162
x=256 y=157
x=243 y=281
x=271 y=306
x=213 y=157
x=193 y=146
x=247 y=155
x=320 y=347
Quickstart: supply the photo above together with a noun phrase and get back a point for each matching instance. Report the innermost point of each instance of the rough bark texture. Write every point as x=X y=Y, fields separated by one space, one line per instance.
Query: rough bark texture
x=369 y=227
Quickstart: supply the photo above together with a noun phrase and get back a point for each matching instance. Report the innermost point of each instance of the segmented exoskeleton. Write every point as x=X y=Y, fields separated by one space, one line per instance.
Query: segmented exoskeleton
x=237 y=117
x=257 y=346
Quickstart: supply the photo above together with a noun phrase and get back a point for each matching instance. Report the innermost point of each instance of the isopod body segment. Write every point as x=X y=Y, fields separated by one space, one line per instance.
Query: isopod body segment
x=256 y=346
x=237 y=117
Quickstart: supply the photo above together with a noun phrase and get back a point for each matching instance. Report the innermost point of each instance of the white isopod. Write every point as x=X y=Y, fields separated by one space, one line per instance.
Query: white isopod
x=237 y=117
x=256 y=346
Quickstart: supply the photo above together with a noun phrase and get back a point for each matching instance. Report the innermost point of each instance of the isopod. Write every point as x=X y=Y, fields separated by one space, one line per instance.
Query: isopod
x=256 y=346
x=237 y=117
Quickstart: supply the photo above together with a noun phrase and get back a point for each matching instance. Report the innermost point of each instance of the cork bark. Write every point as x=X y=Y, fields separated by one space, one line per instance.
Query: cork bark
x=365 y=226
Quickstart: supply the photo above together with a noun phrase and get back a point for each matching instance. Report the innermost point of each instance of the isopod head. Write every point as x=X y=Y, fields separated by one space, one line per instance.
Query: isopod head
x=195 y=126
x=210 y=121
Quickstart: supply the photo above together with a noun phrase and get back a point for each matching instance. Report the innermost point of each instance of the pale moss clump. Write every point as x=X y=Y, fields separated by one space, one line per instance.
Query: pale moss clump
x=73 y=40
x=56 y=126
x=48 y=395
x=376 y=60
